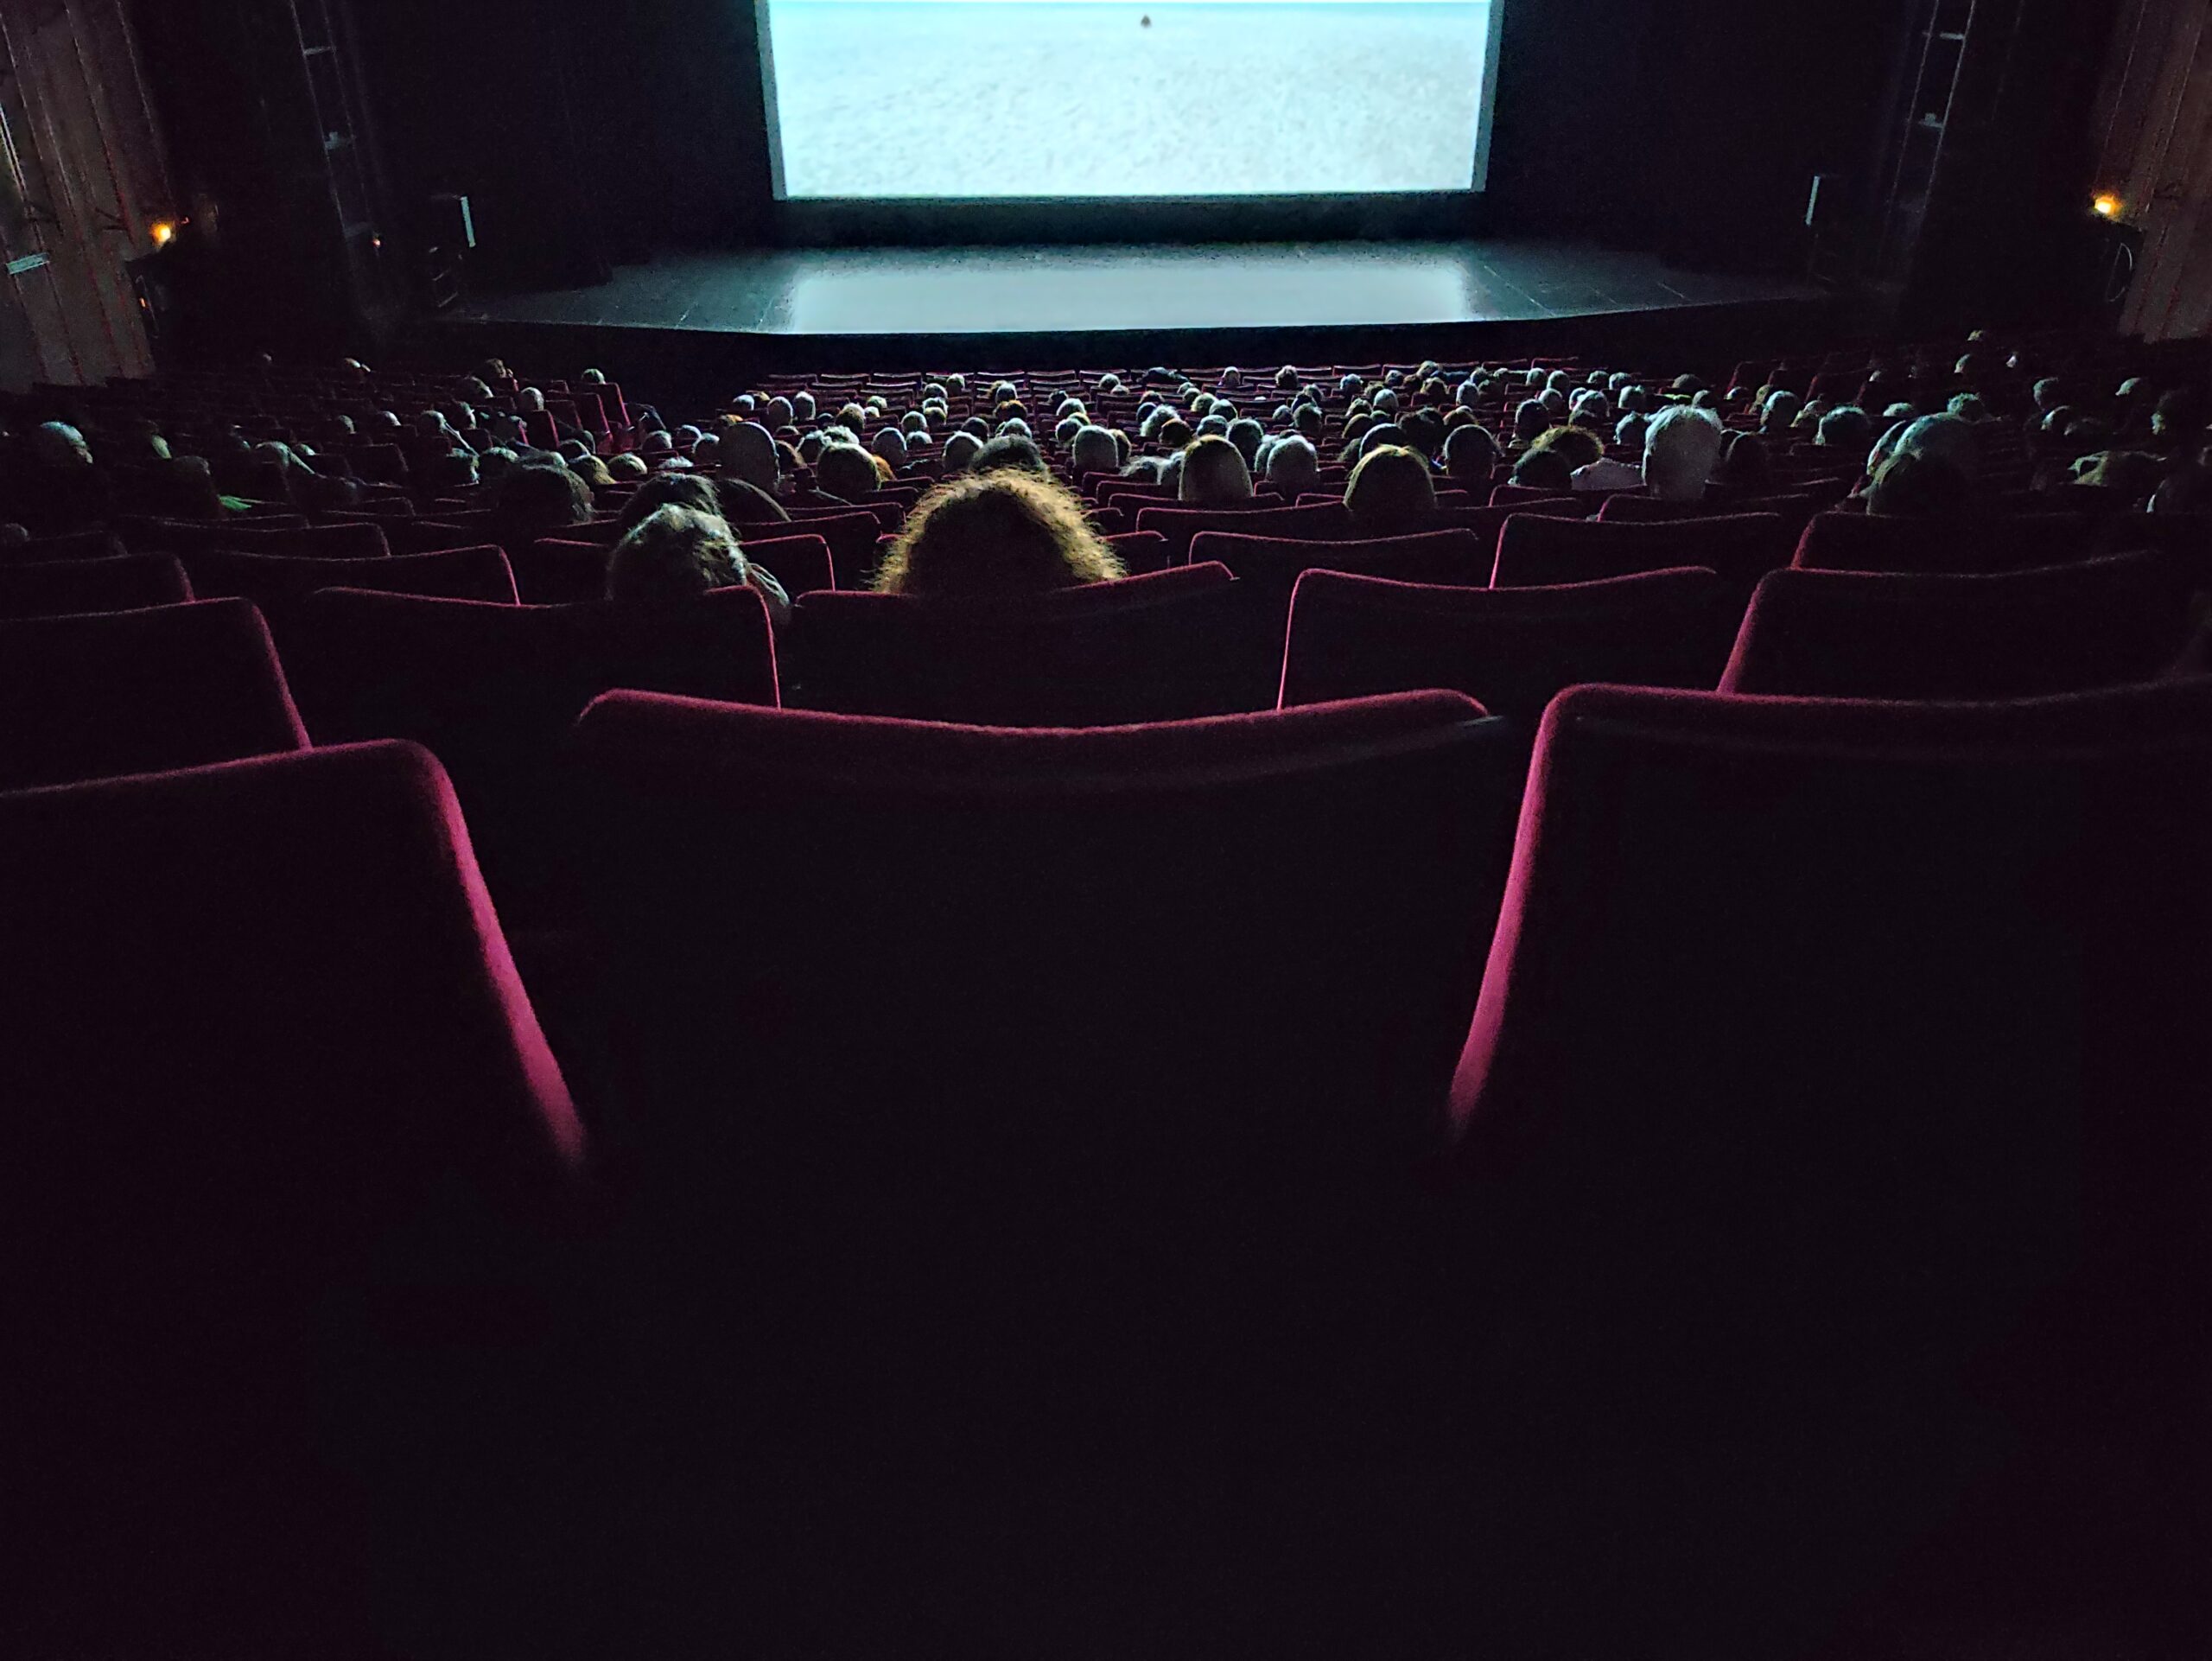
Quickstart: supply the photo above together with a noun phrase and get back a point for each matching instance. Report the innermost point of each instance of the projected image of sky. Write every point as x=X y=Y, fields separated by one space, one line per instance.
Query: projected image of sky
x=888 y=98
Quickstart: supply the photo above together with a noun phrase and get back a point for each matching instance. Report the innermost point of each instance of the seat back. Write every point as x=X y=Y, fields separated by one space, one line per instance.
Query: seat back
x=1822 y=1041
x=1740 y=547
x=492 y=689
x=263 y=1034
x=1457 y=557
x=1144 y=648
x=1020 y=1070
x=1180 y=525
x=297 y=541
x=124 y=583
x=557 y=571
x=2066 y=628
x=134 y=691
x=1512 y=650
x=1871 y=542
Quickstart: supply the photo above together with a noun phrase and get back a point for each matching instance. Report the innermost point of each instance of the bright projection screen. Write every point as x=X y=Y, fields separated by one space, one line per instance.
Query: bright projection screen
x=1082 y=99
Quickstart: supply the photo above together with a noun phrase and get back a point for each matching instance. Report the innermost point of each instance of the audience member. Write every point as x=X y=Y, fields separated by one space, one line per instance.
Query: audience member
x=1390 y=490
x=1004 y=532
x=678 y=553
x=1680 y=448
x=1214 y=474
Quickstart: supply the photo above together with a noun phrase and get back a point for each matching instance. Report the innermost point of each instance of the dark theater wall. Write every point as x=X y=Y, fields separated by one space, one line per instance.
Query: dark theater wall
x=2152 y=135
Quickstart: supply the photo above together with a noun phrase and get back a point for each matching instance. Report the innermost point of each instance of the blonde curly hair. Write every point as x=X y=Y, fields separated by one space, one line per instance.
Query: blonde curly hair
x=1008 y=531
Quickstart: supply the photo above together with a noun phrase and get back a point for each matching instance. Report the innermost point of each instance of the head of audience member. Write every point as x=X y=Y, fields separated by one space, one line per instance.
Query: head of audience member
x=890 y=444
x=1947 y=435
x=674 y=552
x=1470 y=455
x=1554 y=404
x=689 y=490
x=57 y=445
x=1307 y=421
x=1175 y=434
x=1745 y=466
x=1968 y=406
x=1006 y=531
x=1092 y=451
x=848 y=472
x=1292 y=465
x=1581 y=447
x=2187 y=489
x=2178 y=419
x=626 y=467
x=1246 y=433
x=1544 y=470
x=1214 y=474
x=1628 y=433
x=1846 y=428
x=1916 y=485
x=1213 y=426
x=1016 y=452
x=542 y=498
x=1530 y=419
x=1778 y=411
x=1390 y=490
x=1680 y=448
x=960 y=449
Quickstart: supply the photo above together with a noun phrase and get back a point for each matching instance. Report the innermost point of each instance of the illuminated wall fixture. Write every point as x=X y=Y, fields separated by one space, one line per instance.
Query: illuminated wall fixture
x=163 y=233
x=2106 y=206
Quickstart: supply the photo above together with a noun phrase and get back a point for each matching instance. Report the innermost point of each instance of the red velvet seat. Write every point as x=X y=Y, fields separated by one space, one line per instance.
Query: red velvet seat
x=1740 y=547
x=1511 y=649
x=1832 y=1054
x=1180 y=525
x=2066 y=628
x=124 y=583
x=1870 y=542
x=1033 y=1080
x=1144 y=648
x=340 y=541
x=134 y=691
x=276 y=1107
x=492 y=689
x=277 y=582
x=1454 y=556
x=852 y=536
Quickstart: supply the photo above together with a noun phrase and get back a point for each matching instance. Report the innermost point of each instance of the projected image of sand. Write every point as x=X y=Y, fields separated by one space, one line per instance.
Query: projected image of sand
x=1126 y=97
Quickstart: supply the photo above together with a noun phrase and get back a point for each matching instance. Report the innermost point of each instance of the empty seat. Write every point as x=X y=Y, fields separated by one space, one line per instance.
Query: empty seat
x=294 y=540
x=1870 y=542
x=1461 y=555
x=1831 y=1051
x=492 y=690
x=1180 y=525
x=1144 y=648
x=1741 y=547
x=271 y=1085
x=1045 y=1084
x=277 y=582
x=1883 y=635
x=1511 y=649
x=124 y=583
x=134 y=691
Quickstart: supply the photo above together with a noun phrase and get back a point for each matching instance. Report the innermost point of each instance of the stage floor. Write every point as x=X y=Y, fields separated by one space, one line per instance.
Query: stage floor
x=996 y=291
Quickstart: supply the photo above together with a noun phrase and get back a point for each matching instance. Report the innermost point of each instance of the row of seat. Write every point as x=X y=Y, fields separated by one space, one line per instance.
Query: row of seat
x=1063 y=1103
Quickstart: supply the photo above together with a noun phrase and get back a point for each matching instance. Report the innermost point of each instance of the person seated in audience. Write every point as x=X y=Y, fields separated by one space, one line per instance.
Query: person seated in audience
x=889 y=445
x=1919 y=485
x=1745 y=466
x=1470 y=455
x=670 y=490
x=1530 y=419
x=1846 y=428
x=627 y=467
x=1175 y=434
x=1214 y=474
x=1001 y=532
x=2186 y=489
x=960 y=452
x=1681 y=447
x=846 y=472
x=1146 y=467
x=1292 y=466
x=537 y=501
x=1092 y=451
x=1391 y=492
x=1017 y=451
x=678 y=553
x=1246 y=433
x=2176 y=421
x=1544 y=470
